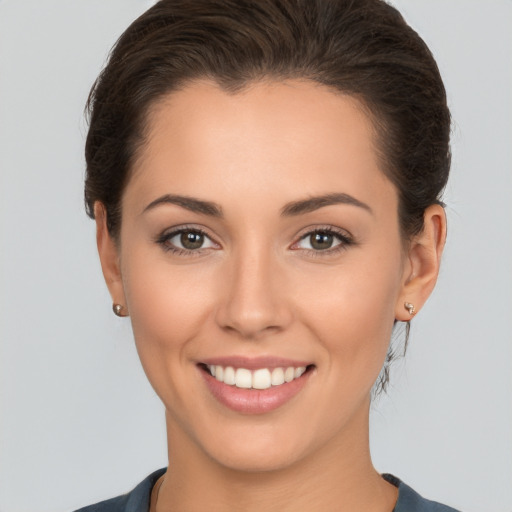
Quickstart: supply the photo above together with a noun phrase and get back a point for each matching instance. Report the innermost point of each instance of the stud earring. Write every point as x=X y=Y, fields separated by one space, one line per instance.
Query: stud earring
x=410 y=308
x=118 y=310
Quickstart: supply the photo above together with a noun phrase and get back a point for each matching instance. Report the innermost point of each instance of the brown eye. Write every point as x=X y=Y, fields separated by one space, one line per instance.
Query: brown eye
x=186 y=241
x=321 y=240
x=326 y=240
x=191 y=240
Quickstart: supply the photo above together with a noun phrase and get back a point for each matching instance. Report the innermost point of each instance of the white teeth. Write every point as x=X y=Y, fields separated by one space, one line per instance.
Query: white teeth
x=277 y=377
x=243 y=378
x=289 y=374
x=229 y=376
x=262 y=378
x=299 y=371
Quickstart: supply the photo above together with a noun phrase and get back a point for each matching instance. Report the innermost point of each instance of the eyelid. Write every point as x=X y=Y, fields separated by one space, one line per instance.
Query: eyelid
x=163 y=238
x=343 y=235
x=345 y=239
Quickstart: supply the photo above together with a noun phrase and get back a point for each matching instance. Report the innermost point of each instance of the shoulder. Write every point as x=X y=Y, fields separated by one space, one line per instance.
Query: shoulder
x=136 y=500
x=410 y=501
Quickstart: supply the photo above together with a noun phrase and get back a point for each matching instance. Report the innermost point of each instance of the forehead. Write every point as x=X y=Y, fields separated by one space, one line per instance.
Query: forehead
x=277 y=138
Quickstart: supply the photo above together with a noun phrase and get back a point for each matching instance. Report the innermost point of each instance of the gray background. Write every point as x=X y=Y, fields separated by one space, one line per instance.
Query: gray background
x=79 y=422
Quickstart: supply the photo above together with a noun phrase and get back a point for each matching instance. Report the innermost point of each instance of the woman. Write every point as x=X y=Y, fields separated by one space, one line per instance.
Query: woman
x=266 y=181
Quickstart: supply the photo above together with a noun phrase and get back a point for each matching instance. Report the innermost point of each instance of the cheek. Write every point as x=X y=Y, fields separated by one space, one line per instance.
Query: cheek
x=351 y=312
x=168 y=306
x=167 y=301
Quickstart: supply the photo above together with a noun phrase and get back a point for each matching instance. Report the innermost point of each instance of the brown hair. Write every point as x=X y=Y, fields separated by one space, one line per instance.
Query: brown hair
x=359 y=47
x=362 y=48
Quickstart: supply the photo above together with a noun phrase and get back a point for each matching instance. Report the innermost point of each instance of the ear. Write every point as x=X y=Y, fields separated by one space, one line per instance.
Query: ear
x=423 y=261
x=109 y=257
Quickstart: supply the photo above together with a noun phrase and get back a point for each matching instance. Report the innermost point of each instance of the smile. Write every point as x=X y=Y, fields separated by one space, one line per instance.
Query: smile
x=255 y=386
x=262 y=378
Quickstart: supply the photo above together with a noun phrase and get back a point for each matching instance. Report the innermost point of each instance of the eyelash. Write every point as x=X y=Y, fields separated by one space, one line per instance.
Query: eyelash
x=343 y=237
x=164 y=238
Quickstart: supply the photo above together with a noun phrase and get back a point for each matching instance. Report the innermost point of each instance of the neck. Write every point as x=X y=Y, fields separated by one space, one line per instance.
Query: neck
x=339 y=476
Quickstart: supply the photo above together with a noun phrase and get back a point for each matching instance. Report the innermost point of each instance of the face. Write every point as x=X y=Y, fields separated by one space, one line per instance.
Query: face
x=260 y=243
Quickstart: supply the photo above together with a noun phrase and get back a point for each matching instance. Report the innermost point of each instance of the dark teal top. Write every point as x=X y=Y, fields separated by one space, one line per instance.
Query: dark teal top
x=138 y=499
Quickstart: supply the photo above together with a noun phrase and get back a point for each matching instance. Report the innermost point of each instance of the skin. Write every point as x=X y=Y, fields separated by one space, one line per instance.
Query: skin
x=258 y=287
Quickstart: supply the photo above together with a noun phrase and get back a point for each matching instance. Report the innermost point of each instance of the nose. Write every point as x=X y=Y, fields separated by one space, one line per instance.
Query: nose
x=254 y=297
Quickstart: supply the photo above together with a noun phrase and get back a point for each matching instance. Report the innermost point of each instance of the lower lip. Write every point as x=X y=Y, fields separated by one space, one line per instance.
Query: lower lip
x=254 y=401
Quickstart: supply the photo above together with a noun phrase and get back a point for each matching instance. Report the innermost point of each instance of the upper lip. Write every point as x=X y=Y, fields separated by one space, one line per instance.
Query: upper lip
x=254 y=363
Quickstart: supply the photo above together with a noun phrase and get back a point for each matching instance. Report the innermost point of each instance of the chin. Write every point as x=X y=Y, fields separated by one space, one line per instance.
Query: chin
x=255 y=461
x=265 y=449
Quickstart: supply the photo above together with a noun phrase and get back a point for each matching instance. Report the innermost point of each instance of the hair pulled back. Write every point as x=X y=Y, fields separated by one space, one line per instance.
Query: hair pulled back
x=362 y=48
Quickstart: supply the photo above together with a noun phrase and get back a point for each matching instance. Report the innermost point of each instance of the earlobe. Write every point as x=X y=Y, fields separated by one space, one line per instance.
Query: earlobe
x=109 y=256
x=424 y=259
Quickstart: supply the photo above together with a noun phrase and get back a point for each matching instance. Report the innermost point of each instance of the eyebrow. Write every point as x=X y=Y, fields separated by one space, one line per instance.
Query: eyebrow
x=314 y=203
x=289 y=210
x=190 y=203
